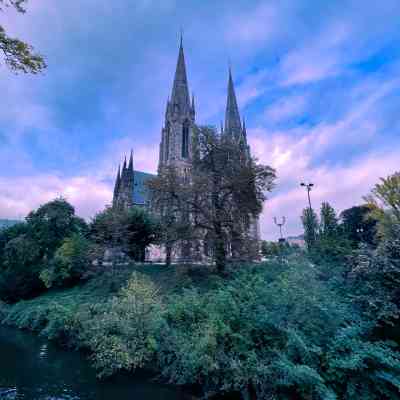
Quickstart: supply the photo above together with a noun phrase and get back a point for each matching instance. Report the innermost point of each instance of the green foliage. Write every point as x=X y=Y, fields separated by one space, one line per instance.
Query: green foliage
x=274 y=335
x=358 y=226
x=21 y=263
x=328 y=227
x=271 y=331
x=69 y=263
x=384 y=203
x=278 y=249
x=51 y=223
x=28 y=250
x=18 y=55
x=121 y=334
x=375 y=272
x=326 y=243
x=310 y=224
x=129 y=230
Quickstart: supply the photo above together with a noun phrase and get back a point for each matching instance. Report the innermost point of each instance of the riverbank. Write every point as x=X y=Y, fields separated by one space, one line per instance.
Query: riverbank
x=284 y=330
x=33 y=368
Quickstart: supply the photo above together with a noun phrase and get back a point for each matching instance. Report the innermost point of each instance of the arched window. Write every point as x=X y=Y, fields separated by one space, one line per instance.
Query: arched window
x=185 y=140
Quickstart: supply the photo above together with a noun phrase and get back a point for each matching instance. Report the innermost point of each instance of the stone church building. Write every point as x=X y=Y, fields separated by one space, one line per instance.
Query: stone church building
x=176 y=142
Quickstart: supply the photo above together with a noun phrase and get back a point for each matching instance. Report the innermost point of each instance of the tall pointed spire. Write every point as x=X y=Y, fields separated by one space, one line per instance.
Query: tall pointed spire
x=244 y=130
x=117 y=183
x=180 y=90
x=130 y=166
x=233 y=125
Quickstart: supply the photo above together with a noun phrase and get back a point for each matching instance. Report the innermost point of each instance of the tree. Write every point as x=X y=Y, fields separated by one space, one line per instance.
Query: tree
x=219 y=197
x=384 y=203
x=328 y=222
x=18 y=55
x=376 y=272
x=358 y=225
x=126 y=230
x=69 y=263
x=19 y=273
x=28 y=248
x=51 y=223
x=310 y=224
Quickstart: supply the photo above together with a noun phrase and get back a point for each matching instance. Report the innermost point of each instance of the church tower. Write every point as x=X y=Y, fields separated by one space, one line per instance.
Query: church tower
x=235 y=130
x=177 y=133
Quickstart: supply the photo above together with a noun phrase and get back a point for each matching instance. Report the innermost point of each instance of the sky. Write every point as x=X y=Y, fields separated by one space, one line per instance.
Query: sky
x=318 y=83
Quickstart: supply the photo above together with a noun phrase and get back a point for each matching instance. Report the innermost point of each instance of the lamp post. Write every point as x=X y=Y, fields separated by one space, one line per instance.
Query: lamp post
x=308 y=187
x=280 y=224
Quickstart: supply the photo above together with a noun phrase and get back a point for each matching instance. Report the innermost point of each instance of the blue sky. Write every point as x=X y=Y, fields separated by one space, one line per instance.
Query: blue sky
x=318 y=83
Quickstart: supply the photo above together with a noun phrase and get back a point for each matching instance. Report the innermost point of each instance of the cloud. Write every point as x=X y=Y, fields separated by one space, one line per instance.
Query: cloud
x=323 y=58
x=287 y=107
x=18 y=196
x=342 y=186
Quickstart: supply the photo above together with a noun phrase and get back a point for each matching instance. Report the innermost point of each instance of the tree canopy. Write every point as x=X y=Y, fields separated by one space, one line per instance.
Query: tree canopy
x=18 y=55
x=220 y=194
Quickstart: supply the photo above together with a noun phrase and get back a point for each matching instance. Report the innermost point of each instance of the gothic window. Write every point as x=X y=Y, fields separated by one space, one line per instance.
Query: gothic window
x=185 y=140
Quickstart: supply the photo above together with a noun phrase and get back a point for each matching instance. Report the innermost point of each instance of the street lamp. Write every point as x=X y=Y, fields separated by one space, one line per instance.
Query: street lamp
x=308 y=187
x=280 y=224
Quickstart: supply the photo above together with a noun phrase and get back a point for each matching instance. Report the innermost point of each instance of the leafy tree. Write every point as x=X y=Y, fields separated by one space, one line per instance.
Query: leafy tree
x=219 y=196
x=18 y=55
x=69 y=263
x=358 y=225
x=310 y=224
x=328 y=227
x=21 y=264
x=126 y=230
x=51 y=223
x=384 y=203
x=376 y=272
x=28 y=248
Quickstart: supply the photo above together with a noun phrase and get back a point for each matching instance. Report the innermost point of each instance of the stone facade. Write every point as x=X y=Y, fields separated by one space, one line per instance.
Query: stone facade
x=177 y=136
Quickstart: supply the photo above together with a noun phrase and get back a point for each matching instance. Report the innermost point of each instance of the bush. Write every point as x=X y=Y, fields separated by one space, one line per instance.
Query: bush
x=122 y=334
x=70 y=262
x=275 y=336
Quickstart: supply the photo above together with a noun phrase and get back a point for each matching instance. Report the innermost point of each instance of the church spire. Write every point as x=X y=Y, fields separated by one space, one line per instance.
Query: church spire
x=233 y=125
x=130 y=166
x=117 y=183
x=244 y=131
x=180 y=98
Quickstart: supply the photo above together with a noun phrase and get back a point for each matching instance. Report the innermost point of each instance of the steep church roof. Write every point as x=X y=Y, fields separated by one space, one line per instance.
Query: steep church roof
x=233 y=125
x=140 y=190
x=180 y=90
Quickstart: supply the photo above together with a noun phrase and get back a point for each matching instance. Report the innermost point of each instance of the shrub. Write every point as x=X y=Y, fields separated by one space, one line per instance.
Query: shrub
x=122 y=334
x=274 y=335
x=69 y=263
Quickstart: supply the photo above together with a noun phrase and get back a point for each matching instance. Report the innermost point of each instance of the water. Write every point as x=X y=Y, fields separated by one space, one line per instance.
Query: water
x=31 y=368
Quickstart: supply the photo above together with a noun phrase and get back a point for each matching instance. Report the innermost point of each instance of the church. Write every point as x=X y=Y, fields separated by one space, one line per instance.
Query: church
x=177 y=137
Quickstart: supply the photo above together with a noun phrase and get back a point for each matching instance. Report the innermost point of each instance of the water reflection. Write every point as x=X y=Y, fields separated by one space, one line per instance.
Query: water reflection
x=31 y=368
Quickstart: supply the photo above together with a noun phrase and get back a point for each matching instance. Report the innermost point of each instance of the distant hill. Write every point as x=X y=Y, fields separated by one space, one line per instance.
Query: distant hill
x=5 y=223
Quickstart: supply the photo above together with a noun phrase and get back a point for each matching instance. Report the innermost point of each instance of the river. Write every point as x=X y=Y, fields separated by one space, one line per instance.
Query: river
x=32 y=368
